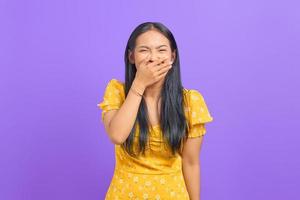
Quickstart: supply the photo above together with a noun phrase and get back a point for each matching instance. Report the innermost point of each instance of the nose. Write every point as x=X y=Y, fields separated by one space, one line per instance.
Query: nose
x=153 y=57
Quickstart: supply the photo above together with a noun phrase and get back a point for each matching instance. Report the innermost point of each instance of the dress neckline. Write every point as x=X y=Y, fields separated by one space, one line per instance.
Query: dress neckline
x=157 y=126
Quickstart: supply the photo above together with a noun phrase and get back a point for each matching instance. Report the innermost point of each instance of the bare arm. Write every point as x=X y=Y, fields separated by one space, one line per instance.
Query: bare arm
x=191 y=166
x=118 y=123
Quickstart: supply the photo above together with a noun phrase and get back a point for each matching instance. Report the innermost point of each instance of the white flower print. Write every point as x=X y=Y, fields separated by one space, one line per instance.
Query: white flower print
x=145 y=196
x=130 y=194
x=157 y=197
x=162 y=181
x=148 y=183
x=135 y=179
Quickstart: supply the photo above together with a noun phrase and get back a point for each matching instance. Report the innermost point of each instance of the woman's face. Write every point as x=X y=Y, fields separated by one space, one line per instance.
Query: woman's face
x=153 y=44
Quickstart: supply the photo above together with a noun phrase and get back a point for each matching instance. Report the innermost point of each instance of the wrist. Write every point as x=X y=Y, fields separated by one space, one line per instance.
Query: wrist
x=138 y=86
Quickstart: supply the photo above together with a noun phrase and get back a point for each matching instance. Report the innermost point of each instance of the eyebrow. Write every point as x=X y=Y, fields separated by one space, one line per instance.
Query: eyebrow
x=143 y=46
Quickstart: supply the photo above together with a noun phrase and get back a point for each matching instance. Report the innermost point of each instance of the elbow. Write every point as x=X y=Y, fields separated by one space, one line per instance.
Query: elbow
x=114 y=136
x=116 y=139
x=191 y=162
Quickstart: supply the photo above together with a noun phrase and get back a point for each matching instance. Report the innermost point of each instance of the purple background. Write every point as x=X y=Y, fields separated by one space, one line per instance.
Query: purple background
x=57 y=56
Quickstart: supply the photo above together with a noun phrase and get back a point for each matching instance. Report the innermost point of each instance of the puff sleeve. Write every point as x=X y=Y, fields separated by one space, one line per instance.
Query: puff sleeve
x=198 y=114
x=113 y=96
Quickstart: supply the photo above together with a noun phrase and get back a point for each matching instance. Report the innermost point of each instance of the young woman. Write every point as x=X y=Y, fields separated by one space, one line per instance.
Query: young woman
x=155 y=123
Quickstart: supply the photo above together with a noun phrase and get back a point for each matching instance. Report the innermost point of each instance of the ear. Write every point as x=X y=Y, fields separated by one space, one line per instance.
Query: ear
x=173 y=55
x=131 y=57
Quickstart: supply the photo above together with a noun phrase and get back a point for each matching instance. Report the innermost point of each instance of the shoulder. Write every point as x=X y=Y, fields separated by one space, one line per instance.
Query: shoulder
x=115 y=85
x=192 y=96
x=115 y=90
x=113 y=96
x=196 y=107
x=195 y=96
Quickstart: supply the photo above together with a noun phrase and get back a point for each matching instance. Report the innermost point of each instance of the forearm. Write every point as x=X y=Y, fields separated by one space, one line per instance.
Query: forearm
x=123 y=121
x=191 y=173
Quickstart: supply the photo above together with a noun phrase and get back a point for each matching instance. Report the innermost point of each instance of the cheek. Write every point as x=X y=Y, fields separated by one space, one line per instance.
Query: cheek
x=139 y=57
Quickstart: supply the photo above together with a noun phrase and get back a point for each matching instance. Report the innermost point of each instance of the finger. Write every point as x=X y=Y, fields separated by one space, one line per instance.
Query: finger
x=165 y=60
x=162 y=75
x=154 y=63
x=167 y=65
x=164 y=69
x=159 y=62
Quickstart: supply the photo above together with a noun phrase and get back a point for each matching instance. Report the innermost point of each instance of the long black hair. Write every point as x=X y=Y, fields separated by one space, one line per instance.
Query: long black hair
x=172 y=119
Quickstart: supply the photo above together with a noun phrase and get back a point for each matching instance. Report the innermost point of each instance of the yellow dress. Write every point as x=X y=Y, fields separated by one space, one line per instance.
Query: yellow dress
x=157 y=174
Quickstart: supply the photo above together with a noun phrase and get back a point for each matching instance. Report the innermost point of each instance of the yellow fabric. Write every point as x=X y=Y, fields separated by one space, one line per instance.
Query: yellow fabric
x=158 y=173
